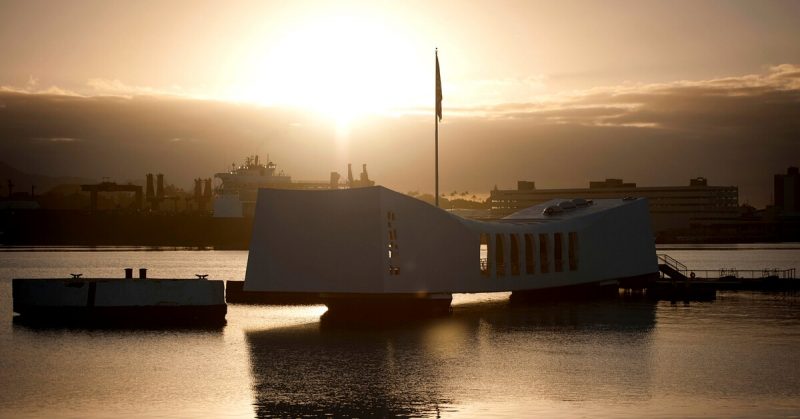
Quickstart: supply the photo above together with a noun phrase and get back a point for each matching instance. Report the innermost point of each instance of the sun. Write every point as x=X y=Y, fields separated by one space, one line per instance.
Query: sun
x=342 y=66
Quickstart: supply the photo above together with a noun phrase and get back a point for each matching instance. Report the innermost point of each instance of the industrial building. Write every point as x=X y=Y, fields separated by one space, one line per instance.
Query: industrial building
x=787 y=191
x=671 y=207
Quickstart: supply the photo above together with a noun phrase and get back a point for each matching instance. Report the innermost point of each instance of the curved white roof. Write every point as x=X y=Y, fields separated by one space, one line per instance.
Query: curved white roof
x=374 y=240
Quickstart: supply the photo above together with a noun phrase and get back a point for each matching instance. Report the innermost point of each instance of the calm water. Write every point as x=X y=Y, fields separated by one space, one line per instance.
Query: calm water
x=737 y=356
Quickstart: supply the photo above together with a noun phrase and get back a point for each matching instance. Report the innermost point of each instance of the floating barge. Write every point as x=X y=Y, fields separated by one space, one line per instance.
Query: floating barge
x=127 y=302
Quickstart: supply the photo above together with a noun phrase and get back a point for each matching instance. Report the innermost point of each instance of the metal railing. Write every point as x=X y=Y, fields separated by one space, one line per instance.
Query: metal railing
x=723 y=274
x=673 y=263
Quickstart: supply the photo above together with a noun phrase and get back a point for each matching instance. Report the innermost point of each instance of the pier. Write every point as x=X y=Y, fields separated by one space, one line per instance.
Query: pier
x=675 y=281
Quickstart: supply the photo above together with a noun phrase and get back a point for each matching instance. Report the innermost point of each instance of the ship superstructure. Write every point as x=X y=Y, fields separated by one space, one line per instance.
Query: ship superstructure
x=237 y=190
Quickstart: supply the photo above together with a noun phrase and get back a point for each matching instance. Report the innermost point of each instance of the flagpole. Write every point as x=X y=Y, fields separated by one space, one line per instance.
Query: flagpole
x=436 y=118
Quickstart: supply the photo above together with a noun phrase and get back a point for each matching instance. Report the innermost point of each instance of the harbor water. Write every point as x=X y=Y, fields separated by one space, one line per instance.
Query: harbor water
x=738 y=356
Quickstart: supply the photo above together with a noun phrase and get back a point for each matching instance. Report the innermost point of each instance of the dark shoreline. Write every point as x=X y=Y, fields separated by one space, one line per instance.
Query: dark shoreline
x=123 y=228
x=197 y=230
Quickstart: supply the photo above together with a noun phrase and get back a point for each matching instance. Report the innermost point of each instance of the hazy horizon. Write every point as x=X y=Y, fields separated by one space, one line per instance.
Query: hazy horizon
x=560 y=94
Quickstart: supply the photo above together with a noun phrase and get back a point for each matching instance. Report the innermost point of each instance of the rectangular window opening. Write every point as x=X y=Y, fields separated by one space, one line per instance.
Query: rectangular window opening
x=499 y=255
x=530 y=268
x=514 y=254
x=573 y=251
x=544 y=261
x=558 y=247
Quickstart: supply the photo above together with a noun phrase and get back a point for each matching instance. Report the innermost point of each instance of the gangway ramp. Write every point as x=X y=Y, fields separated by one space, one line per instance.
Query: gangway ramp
x=670 y=267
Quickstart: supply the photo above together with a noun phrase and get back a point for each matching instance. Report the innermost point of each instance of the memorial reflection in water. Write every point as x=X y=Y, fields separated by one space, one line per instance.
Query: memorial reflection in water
x=483 y=352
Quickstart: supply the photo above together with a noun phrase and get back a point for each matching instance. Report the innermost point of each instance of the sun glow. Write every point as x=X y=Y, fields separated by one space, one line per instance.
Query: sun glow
x=343 y=67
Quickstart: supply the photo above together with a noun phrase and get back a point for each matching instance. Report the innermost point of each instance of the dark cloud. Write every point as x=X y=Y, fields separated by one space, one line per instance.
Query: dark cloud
x=735 y=131
x=766 y=103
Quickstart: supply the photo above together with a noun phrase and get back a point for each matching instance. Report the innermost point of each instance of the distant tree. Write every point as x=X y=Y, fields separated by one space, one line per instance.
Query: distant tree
x=429 y=198
x=465 y=204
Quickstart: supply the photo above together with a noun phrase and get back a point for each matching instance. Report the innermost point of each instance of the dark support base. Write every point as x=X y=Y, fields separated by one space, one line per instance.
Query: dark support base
x=609 y=289
x=679 y=291
x=212 y=316
x=235 y=293
x=386 y=306
x=639 y=282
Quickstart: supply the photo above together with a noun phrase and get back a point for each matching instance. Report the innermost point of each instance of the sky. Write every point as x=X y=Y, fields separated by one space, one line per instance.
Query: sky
x=560 y=93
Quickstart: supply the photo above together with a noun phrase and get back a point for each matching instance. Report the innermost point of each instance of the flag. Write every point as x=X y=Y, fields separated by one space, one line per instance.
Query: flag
x=438 y=89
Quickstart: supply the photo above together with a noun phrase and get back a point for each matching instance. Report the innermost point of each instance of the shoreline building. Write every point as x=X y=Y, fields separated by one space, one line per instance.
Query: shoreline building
x=787 y=191
x=671 y=207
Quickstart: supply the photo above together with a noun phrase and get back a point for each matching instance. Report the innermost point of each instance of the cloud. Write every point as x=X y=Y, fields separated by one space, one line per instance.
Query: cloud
x=177 y=140
x=115 y=87
x=768 y=102
x=786 y=71
x=733 y=130
x=98 y=87
x=33 y=89
x=58 y=139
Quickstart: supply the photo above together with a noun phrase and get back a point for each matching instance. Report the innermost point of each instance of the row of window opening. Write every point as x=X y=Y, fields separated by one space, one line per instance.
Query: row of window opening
x=526 y=252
